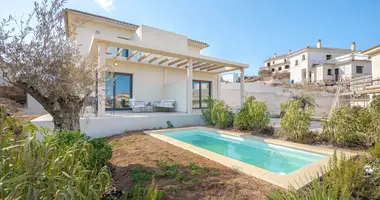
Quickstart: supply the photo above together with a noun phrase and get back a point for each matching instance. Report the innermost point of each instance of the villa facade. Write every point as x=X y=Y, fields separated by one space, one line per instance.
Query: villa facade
x=318 y=64
x=149 y=65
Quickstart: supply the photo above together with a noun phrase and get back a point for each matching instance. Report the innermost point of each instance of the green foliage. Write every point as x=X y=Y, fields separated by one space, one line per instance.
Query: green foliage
x=140 y=192
x=101 y=153
x=198 y=170
x=347 y=125
x=375 y=151
x=295 y=121
x=217 y=114
x=48 y=169
x=169 y=124
x=343 y=178
x=252 y=115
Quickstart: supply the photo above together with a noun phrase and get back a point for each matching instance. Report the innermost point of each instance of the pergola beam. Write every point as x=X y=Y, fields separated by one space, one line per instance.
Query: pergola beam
x=200 y=65
x=208 y=66
x=214 y=68
x=165 y=60
x=182 y=64
x=174 y=62
x=131 y=55
x=155 y=58
x=119 y=52
x=144 y=56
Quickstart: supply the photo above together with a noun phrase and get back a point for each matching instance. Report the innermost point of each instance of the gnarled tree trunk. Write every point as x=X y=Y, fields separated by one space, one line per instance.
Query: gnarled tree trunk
x=68 y=117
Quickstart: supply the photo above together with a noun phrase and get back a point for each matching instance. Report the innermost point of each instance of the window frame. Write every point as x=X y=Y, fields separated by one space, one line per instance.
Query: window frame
x=361 y=68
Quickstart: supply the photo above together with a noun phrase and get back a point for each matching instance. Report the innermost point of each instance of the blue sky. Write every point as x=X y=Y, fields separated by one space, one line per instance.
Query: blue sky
x=246 y=31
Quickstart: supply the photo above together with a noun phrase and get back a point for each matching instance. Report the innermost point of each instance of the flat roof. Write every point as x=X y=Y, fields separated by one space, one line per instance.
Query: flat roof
x=115 y=21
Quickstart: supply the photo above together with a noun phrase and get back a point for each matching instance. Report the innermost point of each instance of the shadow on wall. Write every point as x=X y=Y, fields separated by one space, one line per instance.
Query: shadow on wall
x=273 y=96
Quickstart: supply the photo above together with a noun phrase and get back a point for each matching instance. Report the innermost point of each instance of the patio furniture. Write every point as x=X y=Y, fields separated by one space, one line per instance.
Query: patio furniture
x=137 y=105
x=165 y=105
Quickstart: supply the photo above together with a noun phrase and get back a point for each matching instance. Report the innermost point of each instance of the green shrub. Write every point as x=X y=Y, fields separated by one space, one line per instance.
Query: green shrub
x=252 y=115
x=217 y=114
x=343 y=178
x=347 y=126
x=169 y=124
x=102 y=152
x=140 y=192
x=48 y=169
x=206 y=113
x=295 y=121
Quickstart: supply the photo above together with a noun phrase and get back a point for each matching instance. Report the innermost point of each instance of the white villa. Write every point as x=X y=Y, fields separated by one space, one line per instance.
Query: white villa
x=317 y=64
x=150 y=65
x=374 y=54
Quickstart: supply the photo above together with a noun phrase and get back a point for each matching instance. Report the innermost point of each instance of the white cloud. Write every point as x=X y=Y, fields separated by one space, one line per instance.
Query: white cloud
x=106 y=4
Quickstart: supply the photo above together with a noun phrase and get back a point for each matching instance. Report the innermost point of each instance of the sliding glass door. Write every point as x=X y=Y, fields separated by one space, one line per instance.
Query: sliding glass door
x=118 y=91
x=201 y=92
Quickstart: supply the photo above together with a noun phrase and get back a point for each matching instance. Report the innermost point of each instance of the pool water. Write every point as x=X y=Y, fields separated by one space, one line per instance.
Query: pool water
x=274 y=158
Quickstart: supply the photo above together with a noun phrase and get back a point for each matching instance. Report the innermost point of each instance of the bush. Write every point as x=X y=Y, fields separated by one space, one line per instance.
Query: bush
x=101 y=151
x=48 y=169
x=344 y=178
x=217 y=114
x=252 y=115
x=347 y=126
x=295 y=121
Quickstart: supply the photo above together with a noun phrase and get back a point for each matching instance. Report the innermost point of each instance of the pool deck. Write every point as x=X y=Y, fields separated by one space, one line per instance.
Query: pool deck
x=296 y=179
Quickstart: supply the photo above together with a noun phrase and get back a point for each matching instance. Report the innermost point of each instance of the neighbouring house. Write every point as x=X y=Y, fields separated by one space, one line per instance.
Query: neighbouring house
x=150 y=64
x=277 y=64
x=345 y=68
x=318 y=64
x=374 y=54
x=230 y=78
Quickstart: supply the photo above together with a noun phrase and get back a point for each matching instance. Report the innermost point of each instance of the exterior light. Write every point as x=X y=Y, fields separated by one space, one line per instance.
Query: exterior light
x=115 y=63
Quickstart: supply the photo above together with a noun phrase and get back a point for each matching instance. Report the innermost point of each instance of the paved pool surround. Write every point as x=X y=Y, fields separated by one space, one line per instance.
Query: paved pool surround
x=296 y=179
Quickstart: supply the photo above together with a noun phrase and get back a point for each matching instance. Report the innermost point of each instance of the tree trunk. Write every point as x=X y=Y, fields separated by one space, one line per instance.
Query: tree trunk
x=66 y=118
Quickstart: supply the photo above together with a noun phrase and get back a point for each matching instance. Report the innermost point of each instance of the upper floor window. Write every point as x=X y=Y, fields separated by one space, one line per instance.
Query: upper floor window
x=329 y=71
x=273 y=62
x=272 y=69
x=303 y=57
x=296 y=62
x=268 y=64
x=279 y=69
x=328 y=57
x=285 y=60
x=286 y=66
x=359 y=69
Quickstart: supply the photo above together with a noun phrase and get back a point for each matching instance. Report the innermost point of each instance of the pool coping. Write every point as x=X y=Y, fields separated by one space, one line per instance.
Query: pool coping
x=296 y=179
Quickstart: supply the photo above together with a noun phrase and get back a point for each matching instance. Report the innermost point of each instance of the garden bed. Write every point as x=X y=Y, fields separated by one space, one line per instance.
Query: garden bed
x=179 y=174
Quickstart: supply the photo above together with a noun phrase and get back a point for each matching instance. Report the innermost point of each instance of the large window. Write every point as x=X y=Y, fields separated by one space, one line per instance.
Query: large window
x=201 y=92
x=118 y=91
x=329 y=71
x=328 y=57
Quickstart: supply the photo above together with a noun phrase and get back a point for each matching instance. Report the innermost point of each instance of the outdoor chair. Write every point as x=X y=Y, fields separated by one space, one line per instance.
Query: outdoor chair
x=137 y=105
x=165 y=105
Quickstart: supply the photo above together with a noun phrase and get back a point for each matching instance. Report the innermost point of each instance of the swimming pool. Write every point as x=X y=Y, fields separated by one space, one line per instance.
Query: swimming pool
x=272 y=157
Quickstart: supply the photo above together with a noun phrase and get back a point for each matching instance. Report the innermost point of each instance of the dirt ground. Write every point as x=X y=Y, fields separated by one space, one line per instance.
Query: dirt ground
x=137 y=150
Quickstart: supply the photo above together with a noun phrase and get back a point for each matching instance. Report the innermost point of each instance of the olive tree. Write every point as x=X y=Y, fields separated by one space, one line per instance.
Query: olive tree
x=42 y=60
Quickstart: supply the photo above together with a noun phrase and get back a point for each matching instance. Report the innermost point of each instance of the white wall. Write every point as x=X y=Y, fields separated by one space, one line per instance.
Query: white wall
x=107 y=126
x=375 y=65
x=85 y=33
x=296 y=71
x=153 y=83
x=273 y=96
